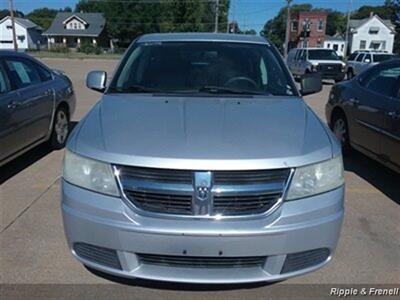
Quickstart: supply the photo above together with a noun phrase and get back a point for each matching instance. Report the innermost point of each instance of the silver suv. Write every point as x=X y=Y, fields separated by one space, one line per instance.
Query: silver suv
x=310 y=60
x=362 y=60
x=202 y=163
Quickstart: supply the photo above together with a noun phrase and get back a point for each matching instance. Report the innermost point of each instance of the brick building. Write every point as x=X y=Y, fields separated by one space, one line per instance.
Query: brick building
x=307 y=29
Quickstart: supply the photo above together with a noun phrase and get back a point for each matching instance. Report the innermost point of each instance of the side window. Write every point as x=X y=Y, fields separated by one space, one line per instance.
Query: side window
x=45 y=74
x=352 y=56
x=4 y=84
x=384 y=81
x=22 y=73
x=303 y=55
x=360 y=57
x=367 y=58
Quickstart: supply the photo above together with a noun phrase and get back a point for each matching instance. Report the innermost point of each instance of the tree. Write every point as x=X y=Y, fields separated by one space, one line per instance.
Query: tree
x=5 y=12
x=275 y=28
x=125 y=20
x=44 y=16
x=335 y=22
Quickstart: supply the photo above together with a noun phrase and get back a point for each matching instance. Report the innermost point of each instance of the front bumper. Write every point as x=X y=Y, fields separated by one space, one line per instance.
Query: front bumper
x=107 y=222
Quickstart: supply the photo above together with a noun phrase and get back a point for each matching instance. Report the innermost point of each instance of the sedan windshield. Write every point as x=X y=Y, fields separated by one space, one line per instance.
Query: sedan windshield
x=202 y=67
x=322 y=55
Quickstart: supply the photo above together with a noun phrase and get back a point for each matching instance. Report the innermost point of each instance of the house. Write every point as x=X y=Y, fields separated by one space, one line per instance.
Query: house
x=371 y=33
x=335 y=42
x=74 y=29
x=307 y=29
x=29 y=34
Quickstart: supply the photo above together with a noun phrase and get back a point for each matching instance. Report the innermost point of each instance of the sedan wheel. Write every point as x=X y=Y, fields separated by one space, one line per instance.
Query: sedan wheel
x=341 y=132
x=60 y=129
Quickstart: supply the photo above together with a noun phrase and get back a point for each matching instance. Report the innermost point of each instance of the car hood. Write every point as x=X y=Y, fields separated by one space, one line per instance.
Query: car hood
x=202 y=133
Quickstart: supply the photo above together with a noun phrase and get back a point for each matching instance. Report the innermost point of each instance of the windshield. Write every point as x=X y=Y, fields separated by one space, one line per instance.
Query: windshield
x=322 y=55
x=202 y=67
x=382 y=57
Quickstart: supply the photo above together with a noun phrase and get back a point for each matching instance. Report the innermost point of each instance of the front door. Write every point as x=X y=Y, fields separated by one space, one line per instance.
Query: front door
x=391 y=130
x=35 y=98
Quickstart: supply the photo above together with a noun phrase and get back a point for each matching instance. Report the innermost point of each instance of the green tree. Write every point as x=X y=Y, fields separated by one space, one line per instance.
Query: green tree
x=44 y=16
x=125 y=20
x=275 y=28
x=335 y=22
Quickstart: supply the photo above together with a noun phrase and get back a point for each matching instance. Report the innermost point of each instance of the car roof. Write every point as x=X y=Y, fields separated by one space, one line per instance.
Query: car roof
x=202 y=37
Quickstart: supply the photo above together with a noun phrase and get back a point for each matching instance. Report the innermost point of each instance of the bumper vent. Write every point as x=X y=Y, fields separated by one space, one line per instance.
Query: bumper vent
x=202 y=262
x=99 y=255
x=302 y=260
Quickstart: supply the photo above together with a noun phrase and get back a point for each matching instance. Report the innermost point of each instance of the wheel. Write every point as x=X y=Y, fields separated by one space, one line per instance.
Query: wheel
x=60 y=130
x=341 y=131
x=350 y=74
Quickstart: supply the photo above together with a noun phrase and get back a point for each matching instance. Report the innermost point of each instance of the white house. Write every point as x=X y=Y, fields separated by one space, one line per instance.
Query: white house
x=29 y=34
x=371 y=33
x=335 y=42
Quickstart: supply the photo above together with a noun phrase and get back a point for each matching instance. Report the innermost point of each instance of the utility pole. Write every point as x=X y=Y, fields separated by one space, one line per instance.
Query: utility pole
x=286 y=46
x=13 y=24
x=216 y=15
x=346 y=41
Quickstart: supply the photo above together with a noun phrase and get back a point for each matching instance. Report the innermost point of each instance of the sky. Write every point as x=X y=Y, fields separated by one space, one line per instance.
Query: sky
x=250 y=14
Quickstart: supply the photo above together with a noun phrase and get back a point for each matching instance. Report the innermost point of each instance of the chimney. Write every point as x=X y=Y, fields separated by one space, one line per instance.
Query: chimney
x=371 y=14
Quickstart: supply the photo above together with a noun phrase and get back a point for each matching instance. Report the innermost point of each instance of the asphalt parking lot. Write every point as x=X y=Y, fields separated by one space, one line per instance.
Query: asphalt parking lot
x=33 y=247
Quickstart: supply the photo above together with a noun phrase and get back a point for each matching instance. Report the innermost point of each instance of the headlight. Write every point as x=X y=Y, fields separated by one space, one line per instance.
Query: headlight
x=316 y=179
x=89 y=174
x=314 y=68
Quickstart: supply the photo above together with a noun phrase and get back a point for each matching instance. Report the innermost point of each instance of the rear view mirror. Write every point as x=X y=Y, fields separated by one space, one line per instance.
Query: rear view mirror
x=96 y=80
x=311 y=83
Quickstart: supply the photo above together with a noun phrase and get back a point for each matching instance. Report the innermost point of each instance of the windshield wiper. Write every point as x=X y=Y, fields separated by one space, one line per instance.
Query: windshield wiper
x=227 y=90
x=134 y=89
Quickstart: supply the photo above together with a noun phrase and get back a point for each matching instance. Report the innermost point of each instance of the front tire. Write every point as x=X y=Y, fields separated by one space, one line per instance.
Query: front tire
x=340 y=129
x=350 y=74
x=60 y=130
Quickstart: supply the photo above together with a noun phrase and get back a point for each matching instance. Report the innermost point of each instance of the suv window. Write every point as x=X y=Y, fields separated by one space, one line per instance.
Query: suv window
x=22 y=72
x=360 y=57
x=202 y=67
x=382 y=57
x=367 y=58
x=4 y=84
x=384 y=81
x=352 y=56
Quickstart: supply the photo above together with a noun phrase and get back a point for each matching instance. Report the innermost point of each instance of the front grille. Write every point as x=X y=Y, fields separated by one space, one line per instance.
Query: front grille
x=194 y=193
x=250 y=177
x=161 y=203
x=156 y=175
x=330 y=69
x=202 y=261
x=302 y=260
x=99 y=255
x=239 y=205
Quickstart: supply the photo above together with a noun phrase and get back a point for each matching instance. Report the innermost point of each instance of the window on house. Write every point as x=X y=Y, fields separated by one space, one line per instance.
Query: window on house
x=335 y=47
x=328 y=46
x=319 y=44
x=75 y=26
x=373 y=30
x=363 y=44
x=9 y=27
x=320 y=25
x=294 y=25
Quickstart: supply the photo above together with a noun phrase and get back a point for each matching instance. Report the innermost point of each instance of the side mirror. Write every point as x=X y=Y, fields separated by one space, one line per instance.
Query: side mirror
x=96 y=80
x=311 y=83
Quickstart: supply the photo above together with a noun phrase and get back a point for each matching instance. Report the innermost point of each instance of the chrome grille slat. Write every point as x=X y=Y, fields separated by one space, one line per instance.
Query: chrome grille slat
x=201 y=262
x=232 y=193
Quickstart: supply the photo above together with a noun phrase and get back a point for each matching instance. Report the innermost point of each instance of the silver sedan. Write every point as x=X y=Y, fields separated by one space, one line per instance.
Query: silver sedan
x=36 y=105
